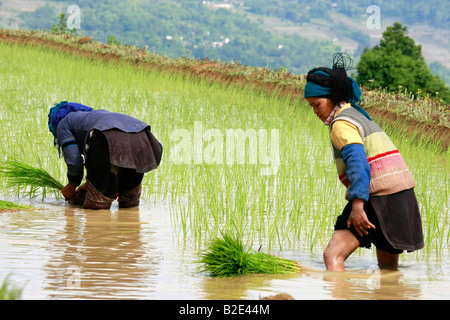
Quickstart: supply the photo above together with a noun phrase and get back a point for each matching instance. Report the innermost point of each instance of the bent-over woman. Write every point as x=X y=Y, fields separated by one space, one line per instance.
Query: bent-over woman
x=116 y=150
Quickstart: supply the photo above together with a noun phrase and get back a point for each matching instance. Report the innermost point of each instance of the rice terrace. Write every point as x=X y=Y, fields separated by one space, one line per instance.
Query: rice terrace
x=275 y=191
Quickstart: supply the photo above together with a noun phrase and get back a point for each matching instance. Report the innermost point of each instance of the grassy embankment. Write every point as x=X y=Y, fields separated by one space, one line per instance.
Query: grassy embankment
x=420 y=116
x=294 y=207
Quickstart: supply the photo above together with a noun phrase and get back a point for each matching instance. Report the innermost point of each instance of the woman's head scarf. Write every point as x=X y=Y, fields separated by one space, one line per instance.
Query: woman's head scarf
x=62 y=109
x=313 y=89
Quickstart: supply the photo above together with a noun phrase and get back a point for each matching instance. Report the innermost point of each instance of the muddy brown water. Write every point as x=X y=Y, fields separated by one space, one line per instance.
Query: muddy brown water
x=63 y=252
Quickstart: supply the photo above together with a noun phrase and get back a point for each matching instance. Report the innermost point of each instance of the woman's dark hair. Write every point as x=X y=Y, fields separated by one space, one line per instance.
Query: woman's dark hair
x=338 y=81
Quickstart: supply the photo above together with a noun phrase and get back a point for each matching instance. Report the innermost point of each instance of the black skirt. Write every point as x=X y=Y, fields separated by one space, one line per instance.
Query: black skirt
x=400 y=220
x=116 y=161
x=139 y=151
x=397 y=221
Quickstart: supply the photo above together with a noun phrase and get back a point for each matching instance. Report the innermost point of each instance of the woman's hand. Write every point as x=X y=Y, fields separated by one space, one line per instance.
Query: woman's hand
x=68 y=191
x=359 y=218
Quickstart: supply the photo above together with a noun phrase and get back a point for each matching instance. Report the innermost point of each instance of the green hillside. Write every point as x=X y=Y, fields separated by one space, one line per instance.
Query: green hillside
x=294 y=35
x=430 y=115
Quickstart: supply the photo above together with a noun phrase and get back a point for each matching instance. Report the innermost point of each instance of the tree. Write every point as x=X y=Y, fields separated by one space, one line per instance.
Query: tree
x=398 y=61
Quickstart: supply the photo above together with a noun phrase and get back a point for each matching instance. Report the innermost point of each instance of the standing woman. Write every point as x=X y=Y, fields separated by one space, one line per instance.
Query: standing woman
x=115 y=149
x=382 y=208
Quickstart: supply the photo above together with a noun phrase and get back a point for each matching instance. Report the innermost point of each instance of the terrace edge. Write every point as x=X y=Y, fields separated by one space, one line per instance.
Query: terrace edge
x=263 y=80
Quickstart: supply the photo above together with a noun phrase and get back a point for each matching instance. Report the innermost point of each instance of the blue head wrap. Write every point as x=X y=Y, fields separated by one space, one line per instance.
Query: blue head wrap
x=355 y=98
x=62 y=109
x=313 y=89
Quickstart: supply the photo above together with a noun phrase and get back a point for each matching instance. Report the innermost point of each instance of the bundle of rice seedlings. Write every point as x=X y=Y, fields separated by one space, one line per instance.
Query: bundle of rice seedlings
x=27 y=180
x=7 y=206
x=227 y=258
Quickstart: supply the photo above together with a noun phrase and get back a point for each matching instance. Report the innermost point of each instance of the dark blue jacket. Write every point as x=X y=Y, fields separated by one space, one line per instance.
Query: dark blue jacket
x=73 y=130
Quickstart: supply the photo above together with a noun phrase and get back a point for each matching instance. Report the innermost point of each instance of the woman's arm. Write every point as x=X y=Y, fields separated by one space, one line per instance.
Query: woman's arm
x=358 y=174
x=72 y=155
x=346 y=137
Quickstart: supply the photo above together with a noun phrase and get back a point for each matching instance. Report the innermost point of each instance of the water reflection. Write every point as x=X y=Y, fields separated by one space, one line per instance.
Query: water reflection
x=311 y=283
x=374 y=285
x=244 y=287
x=100 y=254
x=69 y=253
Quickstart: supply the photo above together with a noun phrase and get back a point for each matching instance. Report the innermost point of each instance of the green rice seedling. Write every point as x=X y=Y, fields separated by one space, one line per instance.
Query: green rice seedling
x=8 y=292
x=6 y=205
x=294 y=209
x=27 y=179
x=227 y=257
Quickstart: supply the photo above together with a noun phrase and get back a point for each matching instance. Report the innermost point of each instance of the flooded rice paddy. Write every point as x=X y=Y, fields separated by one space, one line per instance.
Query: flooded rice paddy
x=151 y=252
x=64 y=252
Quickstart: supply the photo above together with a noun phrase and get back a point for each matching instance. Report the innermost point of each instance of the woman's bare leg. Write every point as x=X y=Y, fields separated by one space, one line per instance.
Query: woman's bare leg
x=342 y=244
x=387 y=260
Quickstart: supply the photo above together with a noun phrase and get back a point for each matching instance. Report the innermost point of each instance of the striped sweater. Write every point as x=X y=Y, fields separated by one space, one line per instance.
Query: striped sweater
x=388 y=171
